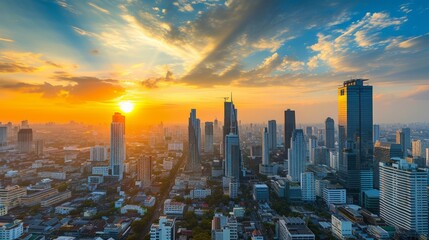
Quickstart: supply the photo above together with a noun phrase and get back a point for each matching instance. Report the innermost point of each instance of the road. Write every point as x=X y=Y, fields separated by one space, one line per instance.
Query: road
x=160 y=200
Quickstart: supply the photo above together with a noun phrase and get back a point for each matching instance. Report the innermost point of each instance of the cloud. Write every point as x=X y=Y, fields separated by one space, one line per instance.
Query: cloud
x=103 y=10
x=419 y=42
x=183 y=6
x=79 y=89
x=15 y=67
x=153 y=82
x=6 y=39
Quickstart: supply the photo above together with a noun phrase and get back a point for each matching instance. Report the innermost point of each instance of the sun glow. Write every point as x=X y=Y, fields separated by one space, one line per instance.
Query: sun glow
x=126 y=106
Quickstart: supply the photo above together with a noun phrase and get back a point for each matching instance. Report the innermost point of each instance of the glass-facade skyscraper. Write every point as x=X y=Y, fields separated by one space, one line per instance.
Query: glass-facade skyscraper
x=355 y=143
x=194 y=137
x=289 y=127
x=117 y=145
x=330 y=133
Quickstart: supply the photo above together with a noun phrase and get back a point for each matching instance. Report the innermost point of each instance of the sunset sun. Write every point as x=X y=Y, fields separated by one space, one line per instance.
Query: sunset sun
x=126 y=106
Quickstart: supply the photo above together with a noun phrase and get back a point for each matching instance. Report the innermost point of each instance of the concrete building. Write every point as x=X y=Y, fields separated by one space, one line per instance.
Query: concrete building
x=294 y=229
x=39 y=147
x=98 y=153
x=25 y=140
x=320 y=186
x=233 y=186
x=100 y=170
x=334 y=194
x=10 y=228
x=164 y=230
x=55 y=199
x=404 y=195
x=10 y=196
x=173 y=208
x=3 y=135
x=341 y=228
x=308 y=187
x=261 y=193
x=200 y=193
x=144 y=170
x=208 y=138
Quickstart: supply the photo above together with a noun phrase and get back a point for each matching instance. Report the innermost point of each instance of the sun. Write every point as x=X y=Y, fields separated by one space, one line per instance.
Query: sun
x=126 y=106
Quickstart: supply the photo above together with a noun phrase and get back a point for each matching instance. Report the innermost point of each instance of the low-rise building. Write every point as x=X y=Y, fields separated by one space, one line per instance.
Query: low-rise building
x=294 y=229
x=55 y=199
x=164 y=230
x=36 y=197
x=200 y=193
x=140 y=210
x=10 y=228
x=10 y=196
x=334 y=194
x=261 y=193
x=149 y=201
x=341 y=228
x=174 y=208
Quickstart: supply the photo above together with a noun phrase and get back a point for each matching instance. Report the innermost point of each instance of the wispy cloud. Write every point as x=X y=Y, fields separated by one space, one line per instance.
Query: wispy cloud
x=6 y=39
x=103 y=10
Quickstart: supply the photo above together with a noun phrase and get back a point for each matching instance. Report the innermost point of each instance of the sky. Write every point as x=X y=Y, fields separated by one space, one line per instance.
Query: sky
x=76 y=60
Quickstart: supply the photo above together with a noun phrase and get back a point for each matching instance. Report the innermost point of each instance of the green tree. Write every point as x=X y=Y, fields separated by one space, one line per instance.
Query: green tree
x=62 y=187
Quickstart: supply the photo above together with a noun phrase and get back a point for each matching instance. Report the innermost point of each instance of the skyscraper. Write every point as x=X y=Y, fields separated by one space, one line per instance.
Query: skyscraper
x=296 y=158
x=403 y=195
x=39 y=146
x=265 y=147
x=144 y=170
x=355 y=121
x=208 y=137
x=232 y=156
x=376 y=132
x=272 y=135
x=330 y=133
x=194 y=137
x=117 y=145
x=25 y=140
x=403 y=137
x=230 y=123
x=289 y=127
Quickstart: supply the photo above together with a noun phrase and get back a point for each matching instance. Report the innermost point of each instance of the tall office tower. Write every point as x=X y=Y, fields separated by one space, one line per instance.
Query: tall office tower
x=208 y=137
x=232 y=156
x=296 y=162
x=355 y=136
x=329 y=133
x=98 y=153
x=289 y=127
x=265 y=147
x=144 y=170
x=308 y=187
x=25 y=140
x=216 y=132
x=376 y=132
x=383 y=152
x=403 y=137
x=117 y=145
x=403 y=195
x=3 y=136
x=194 y=137
x=230 y=124
x=39 y=146
x=312 y=144
x=164 y=230
x=272 y=135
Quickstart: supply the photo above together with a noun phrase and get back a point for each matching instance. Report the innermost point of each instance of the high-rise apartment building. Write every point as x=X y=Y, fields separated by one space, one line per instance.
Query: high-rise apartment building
x=383 y=152
x=355 y=123
x=272 y=135
x=329 y=133
x=39 y=146
x=144 y=170
x=117 y=145
x=265 y=147
x=289 y=127
x=308 y=187
x=25 y=140
x=296 y=159
x=194 y=137
x=403 y=195
x=208 y=137
x=3 y=135
x=98 y=153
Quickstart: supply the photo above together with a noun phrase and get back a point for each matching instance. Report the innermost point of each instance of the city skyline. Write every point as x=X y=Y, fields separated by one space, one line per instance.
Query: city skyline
x=94 y=55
